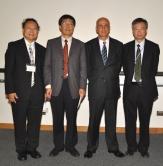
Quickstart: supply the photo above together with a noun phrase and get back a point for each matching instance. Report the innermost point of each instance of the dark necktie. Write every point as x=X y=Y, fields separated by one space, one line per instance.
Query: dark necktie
x=65 y=53
x=138 y=64
x=104 y=53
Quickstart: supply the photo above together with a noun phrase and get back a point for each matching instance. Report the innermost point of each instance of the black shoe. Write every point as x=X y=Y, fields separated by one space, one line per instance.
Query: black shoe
x=145 y=154
x=88 y=154
x=22 y=156
x=117 y=153
x=55 y=152
x=34 y=154
x=73 y=152
x=130 y=152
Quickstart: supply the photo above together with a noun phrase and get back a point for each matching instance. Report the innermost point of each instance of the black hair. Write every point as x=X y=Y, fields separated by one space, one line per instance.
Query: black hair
x=138 y=20
x=30 y=19
x=66 y=16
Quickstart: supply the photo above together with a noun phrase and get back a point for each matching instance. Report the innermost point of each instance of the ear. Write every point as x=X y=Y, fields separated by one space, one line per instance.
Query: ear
x=96 y=30
x=22 y=30
x=59 y=27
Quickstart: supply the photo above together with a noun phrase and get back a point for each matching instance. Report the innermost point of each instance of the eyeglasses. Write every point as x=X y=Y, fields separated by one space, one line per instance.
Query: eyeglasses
x=30 y=28
x=65 y=24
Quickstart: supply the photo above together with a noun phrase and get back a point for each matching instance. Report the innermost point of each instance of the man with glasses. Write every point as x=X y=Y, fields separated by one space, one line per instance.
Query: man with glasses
x=24 y=60
x=140 y=64
x=65 y=80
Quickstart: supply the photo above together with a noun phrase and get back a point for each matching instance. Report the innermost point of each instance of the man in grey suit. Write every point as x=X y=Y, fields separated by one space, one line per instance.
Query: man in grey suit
x=65 y=80
x=104 y=57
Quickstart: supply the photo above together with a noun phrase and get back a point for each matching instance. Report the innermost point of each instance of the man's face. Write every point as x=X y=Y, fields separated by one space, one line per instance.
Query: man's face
x=30 y=31
x=139 y=31
x=103 y=28
x=67 y=28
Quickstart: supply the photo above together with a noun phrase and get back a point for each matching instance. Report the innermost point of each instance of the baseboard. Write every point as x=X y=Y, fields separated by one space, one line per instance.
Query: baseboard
x=84 y=128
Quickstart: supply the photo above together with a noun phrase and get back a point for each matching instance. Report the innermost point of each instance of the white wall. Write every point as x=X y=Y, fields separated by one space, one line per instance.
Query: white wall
x=120 y=13
x=83 y=113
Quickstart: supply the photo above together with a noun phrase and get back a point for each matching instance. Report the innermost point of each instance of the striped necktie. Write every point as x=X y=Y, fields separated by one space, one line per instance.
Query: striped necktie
x=137 y=76
x=104 y=53
x=65 y=53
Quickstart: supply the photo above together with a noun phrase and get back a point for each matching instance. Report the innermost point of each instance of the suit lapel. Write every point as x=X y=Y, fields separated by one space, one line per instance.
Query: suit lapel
x=111 y=51
x=98 y=50
x=58 y=43
x=72 y=48
x=24 y=51
x=146 y=52
x=37 y=53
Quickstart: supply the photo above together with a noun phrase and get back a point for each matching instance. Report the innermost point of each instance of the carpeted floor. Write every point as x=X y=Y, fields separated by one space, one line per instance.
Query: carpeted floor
x=8 y=156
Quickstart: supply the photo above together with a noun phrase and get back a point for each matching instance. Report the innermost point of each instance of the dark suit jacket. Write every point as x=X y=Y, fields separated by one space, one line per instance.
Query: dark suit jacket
x=148 y=70
x=17 y=79
x=77 y=66
x=98 y=73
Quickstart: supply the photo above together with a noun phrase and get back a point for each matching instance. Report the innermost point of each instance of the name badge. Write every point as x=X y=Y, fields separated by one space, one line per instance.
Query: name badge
x=30 y=68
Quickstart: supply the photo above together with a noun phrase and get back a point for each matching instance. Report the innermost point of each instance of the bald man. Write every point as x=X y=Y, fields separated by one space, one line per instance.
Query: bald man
x=104 y=57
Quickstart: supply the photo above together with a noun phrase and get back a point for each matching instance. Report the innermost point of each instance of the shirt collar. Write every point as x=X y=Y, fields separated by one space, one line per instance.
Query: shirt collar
x=141 y=43
x=101 y=41
x=63 y=39
x=27 y=43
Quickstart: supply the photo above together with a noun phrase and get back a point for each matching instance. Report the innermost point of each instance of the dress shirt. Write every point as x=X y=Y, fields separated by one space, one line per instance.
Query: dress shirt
x=69 y=41
x=101 y=43
x=142 y=51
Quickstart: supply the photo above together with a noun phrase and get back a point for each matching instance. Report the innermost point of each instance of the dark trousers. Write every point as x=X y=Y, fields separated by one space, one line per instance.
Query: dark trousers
x=96 y=108
x=136 y=101
x=30 y=111
x=64 y=102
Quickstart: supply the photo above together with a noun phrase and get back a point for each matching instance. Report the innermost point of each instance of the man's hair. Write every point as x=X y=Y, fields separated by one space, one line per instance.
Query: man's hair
x=66 y=16
x=30 y=19
x=138 y=20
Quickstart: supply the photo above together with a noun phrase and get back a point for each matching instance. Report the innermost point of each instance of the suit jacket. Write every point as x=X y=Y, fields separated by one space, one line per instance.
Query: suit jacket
x=148 y=70
x=98 y=73
x=77 y=69
x=17 y=79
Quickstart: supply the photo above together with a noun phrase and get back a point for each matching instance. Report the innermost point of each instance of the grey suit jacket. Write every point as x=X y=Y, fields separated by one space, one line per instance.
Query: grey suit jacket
x=77 y=68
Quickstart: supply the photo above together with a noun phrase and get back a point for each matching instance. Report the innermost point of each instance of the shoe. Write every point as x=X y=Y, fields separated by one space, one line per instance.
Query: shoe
x=117 y=153
x=55 y=152
x=73 y=152
x=34 y=154
x=22 y=156
x=130 y=152
x=89 y=154
x=145 y=154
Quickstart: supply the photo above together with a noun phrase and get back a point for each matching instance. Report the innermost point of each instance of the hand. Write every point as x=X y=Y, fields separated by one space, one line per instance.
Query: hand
x=12 y=97
x=82 y=93
x=48 y=93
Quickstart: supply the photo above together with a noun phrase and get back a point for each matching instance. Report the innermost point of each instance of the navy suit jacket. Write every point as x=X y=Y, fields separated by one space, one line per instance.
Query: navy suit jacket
x=98 y=73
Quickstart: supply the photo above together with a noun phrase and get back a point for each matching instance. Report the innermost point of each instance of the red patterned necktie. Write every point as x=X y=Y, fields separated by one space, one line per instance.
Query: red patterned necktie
x=65 y=53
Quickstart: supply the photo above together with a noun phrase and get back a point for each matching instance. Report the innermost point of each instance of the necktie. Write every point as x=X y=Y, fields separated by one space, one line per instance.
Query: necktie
x=32 y=63
x=31 y=54
x=65 y=53
x=138 y=64
x=104 y=53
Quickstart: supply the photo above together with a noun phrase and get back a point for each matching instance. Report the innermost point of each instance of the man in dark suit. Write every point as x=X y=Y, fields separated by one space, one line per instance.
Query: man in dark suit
x=104 y=55
x=140 y=63
x=65 y=80
x=24 y=86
